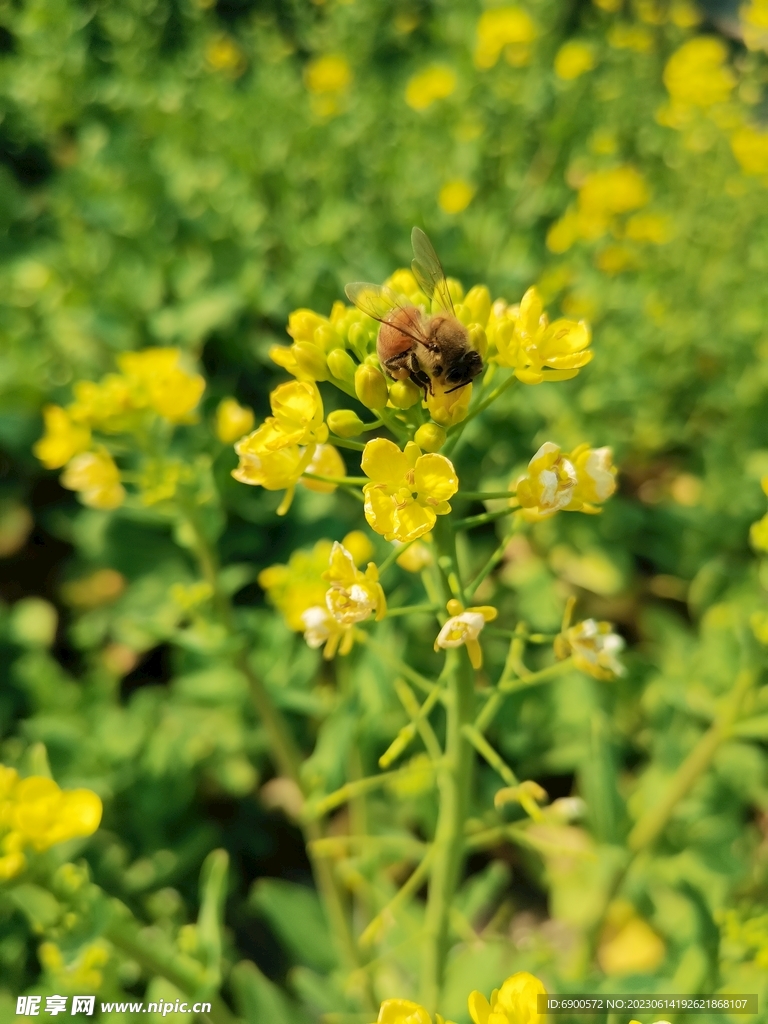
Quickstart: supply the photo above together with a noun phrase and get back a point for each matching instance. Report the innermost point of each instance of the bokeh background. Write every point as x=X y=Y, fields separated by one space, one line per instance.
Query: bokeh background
x=187 y=173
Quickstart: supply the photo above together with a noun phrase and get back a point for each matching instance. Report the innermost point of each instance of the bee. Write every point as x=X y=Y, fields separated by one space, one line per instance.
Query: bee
x=427 y=348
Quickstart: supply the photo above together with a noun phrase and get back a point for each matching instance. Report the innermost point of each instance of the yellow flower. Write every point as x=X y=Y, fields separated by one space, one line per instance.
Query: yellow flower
x=574 y=59
x=408 y=490
x=322 y=630
x=35 y=813
x=754 y=24
x=464 y=627
x=353 y=595
x=109 y=404
x=359 y=546
x=274 y=469
x=538 y=350
x=161 y=383
x=62 y=438
x=516 y=1002
x=434 y=83
x=417 y=556
x=697 y=75
x=649 y=227
x=403 y=1011
x=617 y=190
x=750 y=147
x=455 y=196
x=593 y=646
x=159 y=480
x=330 y=74
x=573 y=483
x=628 y=944
x=232 y=420
x=96 y=478
x=325 y=462
x=448 y=406
x=223 y=54
x=758 y=534
x=507 y=29
x=299 y=585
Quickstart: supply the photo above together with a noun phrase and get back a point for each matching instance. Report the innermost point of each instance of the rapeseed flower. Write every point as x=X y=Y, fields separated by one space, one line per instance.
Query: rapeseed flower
x=594 y=648
x=574 y=59
x=464 y=627
x=448 y=406
x=36 y=813
x=299 y=585
x=408 y=490
x=158 y=382
x=96 y=478
x=697 y=75
x=516 y=1002
x=63 y=438
x=455 y=196
x=536 y=349
x=353 y=595
x=603 y=196
x=327 y=79
x=326 y=461
x=433 y=83
x=233 y=420
x=754 y=24
x=403 y=1011
x=750 y=147
x=507 y=30
x=556 y=482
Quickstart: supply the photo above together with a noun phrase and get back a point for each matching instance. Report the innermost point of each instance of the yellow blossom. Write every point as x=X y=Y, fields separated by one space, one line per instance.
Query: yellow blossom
x=464 y=627
x=160 y=383
x=758 y=534
x=325 y=462
x=649 y=227
x=754 y=24
x=408 y=490
x=617 y=190
x=62 y=438
x=321 y=629
x=697 y=75
x=275 y=470
x=232 y=420
x=96 y=478
x=330 y=74
x=455 y=196
x=448 y=406
x=110 y=404
x=623 y=36
x=516 y=1002
x=159 y=480
x=434 y=83
x=359 y=546
x=36 y=813
x=299 y=585
x=417 y=556
x=628 y=944
x=558 y=482
x=750 y=147
x=538 y=350
x=510 y=30
x=353 y=595
x=403 y=1011
x=574 y=59
x=594 y=648
x=298 y=416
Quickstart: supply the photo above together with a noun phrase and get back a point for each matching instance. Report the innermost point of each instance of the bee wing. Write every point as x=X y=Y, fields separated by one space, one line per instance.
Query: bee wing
x=380 y=303
x=429 y=272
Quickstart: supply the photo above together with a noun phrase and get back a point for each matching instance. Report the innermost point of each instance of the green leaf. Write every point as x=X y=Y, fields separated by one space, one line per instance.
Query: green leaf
x=258 y=1000
x=41 y=909
x=296 y=916
x=213 y=891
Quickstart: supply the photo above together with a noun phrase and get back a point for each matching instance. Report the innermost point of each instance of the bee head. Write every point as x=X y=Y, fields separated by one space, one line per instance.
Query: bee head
x=464 y=369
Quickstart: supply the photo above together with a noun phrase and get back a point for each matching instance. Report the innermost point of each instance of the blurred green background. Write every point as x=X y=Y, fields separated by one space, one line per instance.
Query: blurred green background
x=188 y=173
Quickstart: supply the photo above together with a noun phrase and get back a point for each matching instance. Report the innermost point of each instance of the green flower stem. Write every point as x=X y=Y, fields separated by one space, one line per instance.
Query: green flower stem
x=344 y=442
x=419 y=718
x=392 y=424
x=456 y=432
x=454 y=784
x=484 y=748
x=349 y=481
x=485 y=517
x=386 y=655
x=410 y=609
x=393 y=556
x=507 y=686
x=519 y=835
x=415 y=881
x=407 y=733
x=319 y=808
x=492 y=562
x=286 y=754
x=651 y=824
x=159 y=957
x=484 y=495
x=400 y=846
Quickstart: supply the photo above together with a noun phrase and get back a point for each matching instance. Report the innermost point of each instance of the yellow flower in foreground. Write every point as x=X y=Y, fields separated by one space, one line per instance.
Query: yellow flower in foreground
x=448 y=406
x=464 y=627
x=62 y=438
x=574 y=59
x=538 y=350
x=403 y=1011
x=408 y=490
x=353 y=595
x=510 y=30
x=573 y=483
x=35 y=813
x=593 y=646
x=232 y=420
x=96 y=478
x=516 y=1002
x=434 y=83
x=299 y=585
x=161 y=383
x=697 y=75
x=455 y=196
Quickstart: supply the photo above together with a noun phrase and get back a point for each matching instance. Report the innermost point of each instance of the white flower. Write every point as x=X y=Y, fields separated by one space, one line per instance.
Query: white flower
x=459 y=629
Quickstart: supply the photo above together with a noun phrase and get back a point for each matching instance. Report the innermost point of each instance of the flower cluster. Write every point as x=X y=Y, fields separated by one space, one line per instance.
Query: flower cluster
x=36 y=814
x=504 y=30
x=152 y=383
x=516 y=1002
x=557 y=482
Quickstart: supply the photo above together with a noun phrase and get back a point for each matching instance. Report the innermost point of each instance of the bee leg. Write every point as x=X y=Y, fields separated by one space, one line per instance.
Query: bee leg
x=397 y=366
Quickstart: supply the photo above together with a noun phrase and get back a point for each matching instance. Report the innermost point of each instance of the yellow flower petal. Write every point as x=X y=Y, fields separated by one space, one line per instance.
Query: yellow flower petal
x=383 y=462
x=411 y=521
x=380 y=510
x=435 y=478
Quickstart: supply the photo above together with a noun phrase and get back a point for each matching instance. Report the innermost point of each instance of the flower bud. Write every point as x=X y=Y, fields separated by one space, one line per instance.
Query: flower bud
x=463 y=313
x=478 y=339
x=403 y=394
x=310 y=360
x=430 y=437
x=478 y=299
x=359 y=338
x=342 y=365
x=232 y=420
x=326 y=337
x=371 y=387
x=345 y=423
